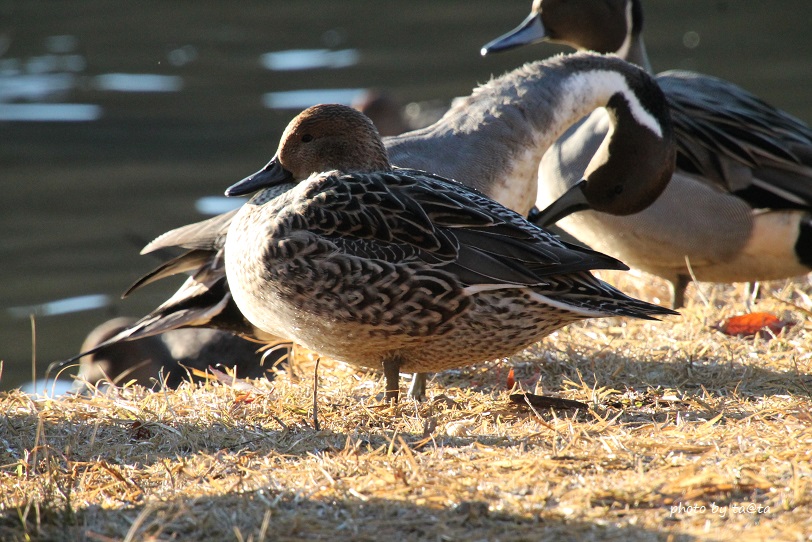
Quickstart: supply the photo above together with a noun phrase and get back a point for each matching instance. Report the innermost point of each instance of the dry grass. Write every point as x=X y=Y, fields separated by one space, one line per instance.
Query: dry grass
x=690 y=435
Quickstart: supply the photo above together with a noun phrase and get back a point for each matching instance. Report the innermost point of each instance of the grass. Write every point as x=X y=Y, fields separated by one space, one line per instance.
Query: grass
x=690 y=435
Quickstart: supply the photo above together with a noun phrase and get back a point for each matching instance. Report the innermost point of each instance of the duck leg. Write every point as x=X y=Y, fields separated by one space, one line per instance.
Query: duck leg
x=752 y=291
x=391 y=372
x=418 y=388
x=316 y=395
x=678 y=291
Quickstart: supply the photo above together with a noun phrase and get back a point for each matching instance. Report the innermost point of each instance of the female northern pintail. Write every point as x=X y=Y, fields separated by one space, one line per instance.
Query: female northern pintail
x=738 y=206
x=493 y=139
x=398 y=269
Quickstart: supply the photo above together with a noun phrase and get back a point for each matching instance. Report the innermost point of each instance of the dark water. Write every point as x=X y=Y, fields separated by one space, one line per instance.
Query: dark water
x=169 y=102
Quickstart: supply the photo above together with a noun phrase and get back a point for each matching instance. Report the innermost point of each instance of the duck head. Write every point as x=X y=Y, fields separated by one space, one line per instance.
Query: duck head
x=634 y=162
x=321 y=138
x=600 y=26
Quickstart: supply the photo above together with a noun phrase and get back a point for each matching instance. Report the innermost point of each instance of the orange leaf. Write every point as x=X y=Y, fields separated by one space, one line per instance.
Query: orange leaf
x=511 y=380
x=244 y=398
x=750 y=324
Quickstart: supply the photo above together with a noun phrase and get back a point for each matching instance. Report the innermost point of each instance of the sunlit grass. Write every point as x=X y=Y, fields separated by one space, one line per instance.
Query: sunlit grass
x=690 y=434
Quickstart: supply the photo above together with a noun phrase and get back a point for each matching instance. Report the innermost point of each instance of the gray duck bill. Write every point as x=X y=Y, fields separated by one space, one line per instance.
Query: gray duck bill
x=571 y=201
x=530 y=31
x=271 y=175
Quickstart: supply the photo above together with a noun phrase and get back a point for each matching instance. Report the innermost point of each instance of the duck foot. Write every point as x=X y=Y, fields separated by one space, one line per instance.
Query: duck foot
x=418 y=388
x=678 y=291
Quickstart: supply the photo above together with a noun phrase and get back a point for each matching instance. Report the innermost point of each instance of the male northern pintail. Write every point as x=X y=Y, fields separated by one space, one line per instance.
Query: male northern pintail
x=738 y=206
x=493 y=139
x=399 y=269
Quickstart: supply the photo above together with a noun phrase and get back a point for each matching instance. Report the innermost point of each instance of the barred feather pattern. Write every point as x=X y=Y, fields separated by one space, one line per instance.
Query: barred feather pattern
x=367 y=266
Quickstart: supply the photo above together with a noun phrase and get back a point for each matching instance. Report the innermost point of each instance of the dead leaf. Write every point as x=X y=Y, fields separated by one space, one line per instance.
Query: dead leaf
x=747 y=325
x=237 y=383
x=139 y=431
x=511 y=379
x=244 y=398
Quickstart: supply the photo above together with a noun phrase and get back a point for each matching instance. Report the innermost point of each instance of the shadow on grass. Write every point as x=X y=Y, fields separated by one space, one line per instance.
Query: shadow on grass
x=268 y=514
x=639 y=389
x=598 y=368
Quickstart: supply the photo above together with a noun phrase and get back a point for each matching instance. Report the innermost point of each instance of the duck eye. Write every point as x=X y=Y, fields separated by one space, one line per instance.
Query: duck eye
x=307 y=138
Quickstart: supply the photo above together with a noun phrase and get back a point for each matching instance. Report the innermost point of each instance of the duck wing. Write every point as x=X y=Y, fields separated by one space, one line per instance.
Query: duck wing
x=730 y=137
x=417 y=220
x=209 y=234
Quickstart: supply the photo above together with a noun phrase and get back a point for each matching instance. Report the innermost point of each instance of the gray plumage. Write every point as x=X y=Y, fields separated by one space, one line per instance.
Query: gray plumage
x=738 y=206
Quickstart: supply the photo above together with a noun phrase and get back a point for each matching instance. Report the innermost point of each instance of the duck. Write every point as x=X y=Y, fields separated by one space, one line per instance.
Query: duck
x=397 y=269
x=149 y=359
x=493 y=139
x=138 y=360
x=738 y=207
x=384 y=110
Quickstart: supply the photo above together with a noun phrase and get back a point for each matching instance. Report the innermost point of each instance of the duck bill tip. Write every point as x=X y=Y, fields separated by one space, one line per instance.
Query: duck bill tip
x=530 y=31
x=271 y=175
x=571 y=201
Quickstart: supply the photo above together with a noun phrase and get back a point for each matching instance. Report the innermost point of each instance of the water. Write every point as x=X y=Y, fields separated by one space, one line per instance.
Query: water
x=304 y=98
x=119 y=121
x=308 y=59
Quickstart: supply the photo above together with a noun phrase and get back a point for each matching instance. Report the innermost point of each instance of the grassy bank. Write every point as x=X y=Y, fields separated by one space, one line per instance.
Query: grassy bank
x=690 y=434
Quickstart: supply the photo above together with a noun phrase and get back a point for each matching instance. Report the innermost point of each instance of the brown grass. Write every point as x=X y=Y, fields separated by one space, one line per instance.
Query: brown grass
x=690 y=435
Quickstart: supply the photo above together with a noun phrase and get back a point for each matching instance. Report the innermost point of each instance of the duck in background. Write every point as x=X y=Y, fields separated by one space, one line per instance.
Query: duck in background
x=398 y=269
x=738 y=206
x=494 y=139
x=392 y=117
x=167 y=358
x=384 y=110
x=118 y=362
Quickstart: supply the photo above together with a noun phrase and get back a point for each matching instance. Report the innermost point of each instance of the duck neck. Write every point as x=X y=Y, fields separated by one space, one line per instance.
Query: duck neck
x=633 y=49
x=494 y=139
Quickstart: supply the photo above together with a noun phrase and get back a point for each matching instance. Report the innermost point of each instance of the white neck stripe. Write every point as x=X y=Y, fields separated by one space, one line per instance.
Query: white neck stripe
x=623 y=52
x=607 y=83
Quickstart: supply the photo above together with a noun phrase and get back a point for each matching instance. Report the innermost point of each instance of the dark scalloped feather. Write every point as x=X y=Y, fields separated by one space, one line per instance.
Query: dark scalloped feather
x=426 y=219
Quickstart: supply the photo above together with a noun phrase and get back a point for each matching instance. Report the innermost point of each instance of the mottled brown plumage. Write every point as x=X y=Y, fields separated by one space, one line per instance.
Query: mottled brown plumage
x=399 y=269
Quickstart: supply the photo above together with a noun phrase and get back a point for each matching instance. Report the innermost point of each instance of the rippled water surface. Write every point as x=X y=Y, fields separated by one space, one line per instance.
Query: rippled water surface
x=121 y=120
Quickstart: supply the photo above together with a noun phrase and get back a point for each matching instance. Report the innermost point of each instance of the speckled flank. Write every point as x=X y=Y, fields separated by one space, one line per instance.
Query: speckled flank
x=399 y=266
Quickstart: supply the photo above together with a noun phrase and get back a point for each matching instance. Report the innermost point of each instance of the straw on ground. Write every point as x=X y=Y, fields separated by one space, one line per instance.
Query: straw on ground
x=690 y=435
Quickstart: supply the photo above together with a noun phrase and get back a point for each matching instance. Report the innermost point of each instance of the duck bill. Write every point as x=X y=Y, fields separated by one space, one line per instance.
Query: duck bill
x=530 y=31
x=271 y=175
x=571 y=201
